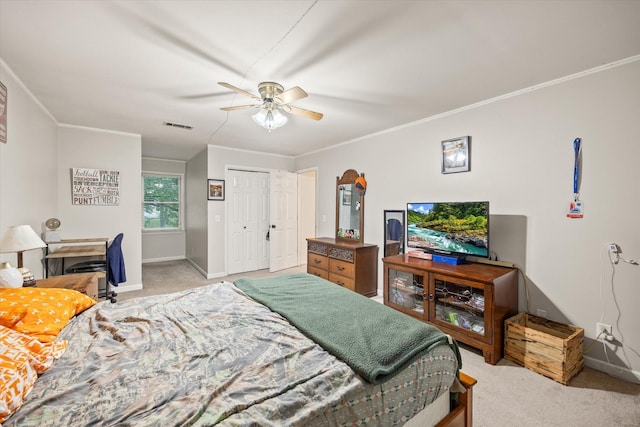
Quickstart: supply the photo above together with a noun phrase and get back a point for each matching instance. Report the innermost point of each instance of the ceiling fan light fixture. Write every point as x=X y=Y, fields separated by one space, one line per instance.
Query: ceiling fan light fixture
x=270 y=118
x=273 y=101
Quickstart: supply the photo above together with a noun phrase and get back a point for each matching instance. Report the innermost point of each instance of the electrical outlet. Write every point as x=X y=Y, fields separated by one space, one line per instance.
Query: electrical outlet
x=541 y=313
x=608 y=330
x=613 y=248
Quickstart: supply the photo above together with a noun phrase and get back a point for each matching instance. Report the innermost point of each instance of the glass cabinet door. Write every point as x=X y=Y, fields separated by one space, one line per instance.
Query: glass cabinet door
x=406 y=290
x=459 y=304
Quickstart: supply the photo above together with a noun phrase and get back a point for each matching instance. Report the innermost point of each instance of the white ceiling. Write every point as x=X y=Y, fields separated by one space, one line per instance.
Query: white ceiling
x=367 y=65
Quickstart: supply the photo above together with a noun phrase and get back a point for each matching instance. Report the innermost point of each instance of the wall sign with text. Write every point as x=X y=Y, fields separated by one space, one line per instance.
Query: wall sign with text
x=98 y=187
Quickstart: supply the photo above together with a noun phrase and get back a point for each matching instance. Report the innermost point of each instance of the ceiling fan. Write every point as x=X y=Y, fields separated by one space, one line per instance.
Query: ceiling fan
x=272 y=101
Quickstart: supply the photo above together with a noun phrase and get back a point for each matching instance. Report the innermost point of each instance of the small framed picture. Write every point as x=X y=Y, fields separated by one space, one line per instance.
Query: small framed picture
x=346 y=197
x=456 y=155
x=216 y=189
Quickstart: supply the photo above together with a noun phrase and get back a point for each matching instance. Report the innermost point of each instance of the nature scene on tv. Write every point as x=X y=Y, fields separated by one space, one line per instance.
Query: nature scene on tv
x=450 y=227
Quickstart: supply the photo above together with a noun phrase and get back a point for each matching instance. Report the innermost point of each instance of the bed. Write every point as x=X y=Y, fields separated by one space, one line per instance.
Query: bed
x=228 y=354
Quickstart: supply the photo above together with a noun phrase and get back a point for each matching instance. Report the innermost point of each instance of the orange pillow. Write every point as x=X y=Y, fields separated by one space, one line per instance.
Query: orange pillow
x=40 y=312
x=22 y=358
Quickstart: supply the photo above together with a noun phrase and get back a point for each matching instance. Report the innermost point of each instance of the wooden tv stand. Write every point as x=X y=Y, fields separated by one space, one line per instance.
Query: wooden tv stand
x=468 y=301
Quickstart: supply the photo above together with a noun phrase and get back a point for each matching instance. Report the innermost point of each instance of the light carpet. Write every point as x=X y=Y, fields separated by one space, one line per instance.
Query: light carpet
x=506 y=394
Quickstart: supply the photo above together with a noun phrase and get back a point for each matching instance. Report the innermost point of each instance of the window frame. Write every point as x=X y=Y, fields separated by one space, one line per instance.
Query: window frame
x=181 y=206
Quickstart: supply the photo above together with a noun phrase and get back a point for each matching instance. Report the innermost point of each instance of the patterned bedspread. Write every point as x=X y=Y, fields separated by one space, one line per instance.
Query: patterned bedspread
x=212 y=356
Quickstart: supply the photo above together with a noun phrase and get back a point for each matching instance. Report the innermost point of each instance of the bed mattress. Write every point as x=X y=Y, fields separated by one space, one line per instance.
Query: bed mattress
x=213 y=356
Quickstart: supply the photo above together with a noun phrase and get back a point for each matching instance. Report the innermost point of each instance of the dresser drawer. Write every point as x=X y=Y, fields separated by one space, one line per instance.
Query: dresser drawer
x=317 y=261
x=342 y=268
x=343 y=281
x=342 y=253
x=352 y=265
x=323 y=274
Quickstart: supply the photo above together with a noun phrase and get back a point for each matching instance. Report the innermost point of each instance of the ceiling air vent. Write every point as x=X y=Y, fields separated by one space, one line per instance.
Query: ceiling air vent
x=177 y=125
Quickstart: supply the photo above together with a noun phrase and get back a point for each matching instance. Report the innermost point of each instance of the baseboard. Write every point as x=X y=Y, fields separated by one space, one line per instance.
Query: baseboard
x=170 y=258
x=613 y=370
x=126 y=288
x=204 y=273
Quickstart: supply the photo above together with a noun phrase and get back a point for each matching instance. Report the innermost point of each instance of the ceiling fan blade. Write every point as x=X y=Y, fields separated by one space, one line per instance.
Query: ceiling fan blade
x=302 y=112
x=291 y=95
x=239 y=107
x=242 y=91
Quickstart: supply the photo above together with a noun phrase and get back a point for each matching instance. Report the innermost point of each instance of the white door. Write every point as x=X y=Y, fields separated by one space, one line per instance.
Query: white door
x=262 y=194
x=283 y=206
x=242 y=222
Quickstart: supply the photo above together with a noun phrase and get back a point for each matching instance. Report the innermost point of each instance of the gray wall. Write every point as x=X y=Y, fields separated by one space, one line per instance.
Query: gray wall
x=522 y=162
x=92 y=148
x=35 y=179
x=218 y=160
x=28 y=166
x=196 y=212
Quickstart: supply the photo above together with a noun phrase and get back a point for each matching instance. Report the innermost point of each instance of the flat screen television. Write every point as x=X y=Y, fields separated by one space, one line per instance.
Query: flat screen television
x=451 y=228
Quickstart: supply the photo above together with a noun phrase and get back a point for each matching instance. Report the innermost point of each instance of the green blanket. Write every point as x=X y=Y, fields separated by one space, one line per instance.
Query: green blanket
x=374 y=340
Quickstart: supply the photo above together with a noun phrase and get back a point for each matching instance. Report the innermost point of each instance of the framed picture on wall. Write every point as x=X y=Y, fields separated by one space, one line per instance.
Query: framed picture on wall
x=456 y=155
x=216 y=189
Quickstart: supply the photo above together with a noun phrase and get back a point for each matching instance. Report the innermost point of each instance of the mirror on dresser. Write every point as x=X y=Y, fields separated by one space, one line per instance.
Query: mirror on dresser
x=350 y=206
x=345 y=259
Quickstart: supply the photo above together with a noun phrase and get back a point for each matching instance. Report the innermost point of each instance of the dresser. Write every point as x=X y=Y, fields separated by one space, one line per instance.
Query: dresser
x=352 y=265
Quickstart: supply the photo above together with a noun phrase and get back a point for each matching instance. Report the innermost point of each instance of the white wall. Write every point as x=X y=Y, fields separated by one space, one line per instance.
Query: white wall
x=163 y=245
x=218 y=159
x=93 y=148
x=522 y=162
x=28 y=166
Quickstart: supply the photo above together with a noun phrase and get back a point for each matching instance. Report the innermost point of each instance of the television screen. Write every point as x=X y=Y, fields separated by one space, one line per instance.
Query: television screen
x=460 y=228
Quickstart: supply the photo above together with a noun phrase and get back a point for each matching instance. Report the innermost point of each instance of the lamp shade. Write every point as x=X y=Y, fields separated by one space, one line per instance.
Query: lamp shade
x=20 y=238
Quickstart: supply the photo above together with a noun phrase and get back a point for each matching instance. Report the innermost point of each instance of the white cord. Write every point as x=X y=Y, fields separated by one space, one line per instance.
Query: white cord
x=628 y=261
x=624 y=346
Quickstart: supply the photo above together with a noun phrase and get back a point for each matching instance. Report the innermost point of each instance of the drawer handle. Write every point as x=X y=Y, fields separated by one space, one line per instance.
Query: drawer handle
x=341 y=268
x=340 y=283
x=317 y=261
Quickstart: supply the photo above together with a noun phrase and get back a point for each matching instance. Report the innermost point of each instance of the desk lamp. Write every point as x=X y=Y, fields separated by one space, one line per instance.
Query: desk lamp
x=20 y=238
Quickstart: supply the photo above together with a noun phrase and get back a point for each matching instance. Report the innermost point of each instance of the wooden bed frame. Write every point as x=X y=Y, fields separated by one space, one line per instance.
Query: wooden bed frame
x=462 y=414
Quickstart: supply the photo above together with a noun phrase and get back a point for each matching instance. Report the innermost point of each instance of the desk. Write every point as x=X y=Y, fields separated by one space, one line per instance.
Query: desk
x=86 y=283
x=72 y=248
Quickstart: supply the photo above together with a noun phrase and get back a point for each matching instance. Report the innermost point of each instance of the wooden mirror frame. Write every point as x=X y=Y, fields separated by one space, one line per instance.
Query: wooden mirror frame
x=349 y=178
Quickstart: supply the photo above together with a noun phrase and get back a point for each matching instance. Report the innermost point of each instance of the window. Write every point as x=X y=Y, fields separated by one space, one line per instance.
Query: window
x=161 y=202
